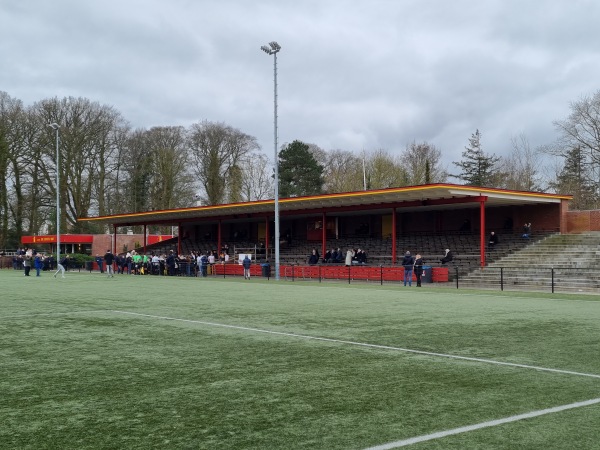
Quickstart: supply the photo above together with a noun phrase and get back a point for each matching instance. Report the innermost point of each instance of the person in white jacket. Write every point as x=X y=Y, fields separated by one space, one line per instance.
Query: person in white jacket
x=349 y=256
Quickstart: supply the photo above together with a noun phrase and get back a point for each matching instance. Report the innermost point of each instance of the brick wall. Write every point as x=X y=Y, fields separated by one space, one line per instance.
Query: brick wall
x=103 y=242
x=582 y=221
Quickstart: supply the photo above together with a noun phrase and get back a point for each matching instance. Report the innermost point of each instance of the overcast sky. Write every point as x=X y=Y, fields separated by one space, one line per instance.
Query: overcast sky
x=353 y=74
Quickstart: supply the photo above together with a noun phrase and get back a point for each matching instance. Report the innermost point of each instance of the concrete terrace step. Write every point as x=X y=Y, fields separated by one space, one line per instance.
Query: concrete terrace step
x=574 y=258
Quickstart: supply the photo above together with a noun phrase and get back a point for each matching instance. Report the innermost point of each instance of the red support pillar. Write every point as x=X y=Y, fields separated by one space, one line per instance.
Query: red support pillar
x=482 y=232
x=323 y=235
x=394 y=236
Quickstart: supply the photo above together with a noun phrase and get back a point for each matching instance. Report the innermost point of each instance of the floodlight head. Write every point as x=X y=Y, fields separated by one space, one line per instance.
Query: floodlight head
x=266 y=49
x=275 y=46
x=54 y=126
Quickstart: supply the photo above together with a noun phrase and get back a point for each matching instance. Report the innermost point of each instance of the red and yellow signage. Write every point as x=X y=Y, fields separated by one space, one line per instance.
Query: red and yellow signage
x=154 y=238
x=64 y=239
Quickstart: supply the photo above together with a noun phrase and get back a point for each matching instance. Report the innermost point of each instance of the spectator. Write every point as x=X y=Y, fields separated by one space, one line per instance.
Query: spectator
x=328 y=256
x=526 y=230
x=334 y=256
x=418 y=268
x=211 y=262
x=314 y=257
x=492 y=241
x=155 y=265
x=99 y=262
x=128 y=262
x=204 y=264
x=361 y=257
x=349 y=256
x=109 y=258
x=447 y=257
x=246 y=263
x=38 y=263
x=27 y=264
x=171 y=263
x=408 y=262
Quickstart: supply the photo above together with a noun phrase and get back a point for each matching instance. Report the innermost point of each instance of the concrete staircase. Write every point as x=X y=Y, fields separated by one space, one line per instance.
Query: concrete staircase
x=570 y=262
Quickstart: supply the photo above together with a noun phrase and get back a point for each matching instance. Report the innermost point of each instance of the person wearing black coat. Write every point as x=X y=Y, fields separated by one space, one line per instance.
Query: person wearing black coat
x=314 y=257
x=418 y=268
x=447 y=257
x=492 y=241
x=109 y=259
x=171 y=263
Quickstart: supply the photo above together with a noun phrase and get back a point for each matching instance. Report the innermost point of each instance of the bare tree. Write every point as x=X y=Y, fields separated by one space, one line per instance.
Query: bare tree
x=581 y=130
x=521 y=167
x=172 y=185
x=423 y=164
x=343 y=172
x=216 y=149
x=256 y=177
x=582 y=127
x=86 y=148
x=383 y=171
x=13 y=156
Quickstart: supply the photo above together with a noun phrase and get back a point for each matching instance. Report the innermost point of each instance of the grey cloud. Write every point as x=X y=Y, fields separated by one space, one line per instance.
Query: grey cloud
x=355 y=76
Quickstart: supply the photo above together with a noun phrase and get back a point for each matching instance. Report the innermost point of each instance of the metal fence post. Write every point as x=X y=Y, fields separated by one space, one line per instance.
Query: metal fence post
x=552 y=278
x=456 y=268
x=381 y=274
x=501 y=278
x=349 y=267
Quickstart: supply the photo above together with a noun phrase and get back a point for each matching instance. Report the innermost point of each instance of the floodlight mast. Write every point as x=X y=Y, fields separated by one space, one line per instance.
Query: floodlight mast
x=273 y=49
x=56 y=128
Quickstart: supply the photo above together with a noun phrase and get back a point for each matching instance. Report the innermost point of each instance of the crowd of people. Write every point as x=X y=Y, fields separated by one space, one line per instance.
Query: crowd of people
x=28 y=258
x=199 y=263
x=352 y=256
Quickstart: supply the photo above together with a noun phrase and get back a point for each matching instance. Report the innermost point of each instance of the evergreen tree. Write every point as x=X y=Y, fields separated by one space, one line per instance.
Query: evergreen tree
x=299 y=172
x=478 y=169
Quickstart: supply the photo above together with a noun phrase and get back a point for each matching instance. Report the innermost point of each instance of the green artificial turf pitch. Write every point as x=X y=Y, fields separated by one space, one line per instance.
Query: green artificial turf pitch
x=89 y=362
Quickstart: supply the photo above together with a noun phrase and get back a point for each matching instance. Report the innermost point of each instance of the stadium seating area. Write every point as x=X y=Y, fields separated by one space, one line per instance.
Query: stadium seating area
x=465 y=248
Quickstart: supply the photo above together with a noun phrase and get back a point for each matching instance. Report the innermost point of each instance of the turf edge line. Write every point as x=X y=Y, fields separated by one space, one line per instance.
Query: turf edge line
x=491 y=423
x=361 y=344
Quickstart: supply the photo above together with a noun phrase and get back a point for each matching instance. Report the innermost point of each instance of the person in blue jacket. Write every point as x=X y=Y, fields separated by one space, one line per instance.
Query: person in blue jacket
x=246 y=263
x=38 y=264
x=408 y=262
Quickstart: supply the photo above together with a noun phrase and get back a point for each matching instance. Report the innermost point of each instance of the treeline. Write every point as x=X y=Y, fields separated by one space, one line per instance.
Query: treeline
x=107 y=167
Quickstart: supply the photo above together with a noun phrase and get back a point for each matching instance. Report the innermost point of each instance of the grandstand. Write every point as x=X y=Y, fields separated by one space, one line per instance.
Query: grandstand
x=385 y=223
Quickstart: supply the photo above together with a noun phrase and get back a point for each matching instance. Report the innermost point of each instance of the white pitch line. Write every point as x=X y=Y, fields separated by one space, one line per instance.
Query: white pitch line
x=24 y=316
x=362 y=344
x=491 y=423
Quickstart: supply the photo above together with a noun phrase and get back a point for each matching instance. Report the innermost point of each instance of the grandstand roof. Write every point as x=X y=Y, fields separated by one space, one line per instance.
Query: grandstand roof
x=430 y=196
